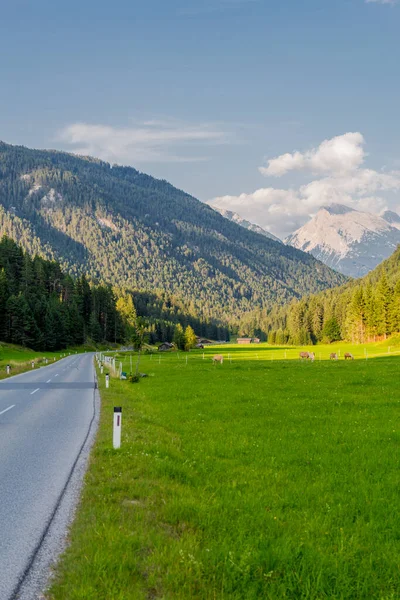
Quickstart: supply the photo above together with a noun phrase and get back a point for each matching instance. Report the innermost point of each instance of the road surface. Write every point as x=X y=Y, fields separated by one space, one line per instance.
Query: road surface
x=45 y=416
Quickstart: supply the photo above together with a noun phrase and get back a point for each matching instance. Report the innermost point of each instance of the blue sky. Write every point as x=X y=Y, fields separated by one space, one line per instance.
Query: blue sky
x=204 y=94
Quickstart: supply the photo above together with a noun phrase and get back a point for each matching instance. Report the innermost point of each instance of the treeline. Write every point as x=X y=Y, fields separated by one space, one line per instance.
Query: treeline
x=361 y=311
x=43 y=308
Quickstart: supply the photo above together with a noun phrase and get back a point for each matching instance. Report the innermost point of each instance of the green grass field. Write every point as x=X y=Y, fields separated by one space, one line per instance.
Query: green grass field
x=258 y=478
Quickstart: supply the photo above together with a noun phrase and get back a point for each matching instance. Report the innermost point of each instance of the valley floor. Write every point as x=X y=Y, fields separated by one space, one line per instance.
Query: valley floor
x=259 y=478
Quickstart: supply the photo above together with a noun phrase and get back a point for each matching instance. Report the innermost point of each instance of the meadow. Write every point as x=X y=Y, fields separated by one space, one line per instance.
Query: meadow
x=263 y=477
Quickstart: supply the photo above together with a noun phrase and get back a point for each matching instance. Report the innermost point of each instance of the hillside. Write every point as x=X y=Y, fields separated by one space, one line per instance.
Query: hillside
x=362 y=310
x=127 y=228
x=350 y=241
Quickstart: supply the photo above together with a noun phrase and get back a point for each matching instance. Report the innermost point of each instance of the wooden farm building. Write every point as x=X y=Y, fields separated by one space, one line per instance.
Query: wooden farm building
x=248 y=341
x=165 y=347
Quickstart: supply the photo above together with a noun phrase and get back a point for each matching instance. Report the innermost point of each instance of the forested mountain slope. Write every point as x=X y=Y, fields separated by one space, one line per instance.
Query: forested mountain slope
x=124 y=227
x=362 y=310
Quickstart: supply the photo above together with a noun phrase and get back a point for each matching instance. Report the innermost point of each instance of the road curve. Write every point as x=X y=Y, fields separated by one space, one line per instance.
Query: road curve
x=45 y=416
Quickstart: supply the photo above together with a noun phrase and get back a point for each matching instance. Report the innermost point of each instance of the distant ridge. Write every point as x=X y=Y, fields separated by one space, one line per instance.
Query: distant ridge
x=232 y=216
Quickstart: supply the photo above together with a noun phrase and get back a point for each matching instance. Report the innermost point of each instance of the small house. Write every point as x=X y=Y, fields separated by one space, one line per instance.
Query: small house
x=244 y=340
x=165 y=347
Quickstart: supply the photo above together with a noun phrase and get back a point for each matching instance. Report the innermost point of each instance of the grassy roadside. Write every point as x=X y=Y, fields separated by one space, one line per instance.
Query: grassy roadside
x=248 y=480
x=20 y=359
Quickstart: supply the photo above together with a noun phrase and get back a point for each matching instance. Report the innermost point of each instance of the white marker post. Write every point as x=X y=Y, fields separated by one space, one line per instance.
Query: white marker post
x=8 y=369
x=117 y=427
x=101 y=370
x=107 y=381
x=33 y=365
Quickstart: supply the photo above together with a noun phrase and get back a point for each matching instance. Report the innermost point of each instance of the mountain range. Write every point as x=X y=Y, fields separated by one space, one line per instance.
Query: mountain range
x=233 y=216
x=126 y=228
x=348 y=240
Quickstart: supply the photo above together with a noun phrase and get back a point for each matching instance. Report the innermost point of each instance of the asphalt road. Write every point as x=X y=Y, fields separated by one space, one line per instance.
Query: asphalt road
x=45 y=415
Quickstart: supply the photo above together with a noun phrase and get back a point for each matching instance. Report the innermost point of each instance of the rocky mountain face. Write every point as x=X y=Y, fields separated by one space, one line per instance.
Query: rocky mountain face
x=348 y=240
x=232 y=216
x=128 y=229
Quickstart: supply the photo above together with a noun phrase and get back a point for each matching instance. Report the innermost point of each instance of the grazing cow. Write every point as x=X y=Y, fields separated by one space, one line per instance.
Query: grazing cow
x=218 y=358
x=349 y=356
x=307 y=356
x=333 y=356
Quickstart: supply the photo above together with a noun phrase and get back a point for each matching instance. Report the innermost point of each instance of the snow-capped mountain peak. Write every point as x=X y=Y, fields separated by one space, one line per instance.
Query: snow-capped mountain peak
x=337 y=209
x=391 y=217
x=350 y=241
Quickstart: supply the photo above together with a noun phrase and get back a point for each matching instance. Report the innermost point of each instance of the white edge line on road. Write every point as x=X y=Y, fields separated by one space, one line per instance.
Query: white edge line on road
x=34 y=391
x=48 y=381
x=7 y=409
x=56 y=375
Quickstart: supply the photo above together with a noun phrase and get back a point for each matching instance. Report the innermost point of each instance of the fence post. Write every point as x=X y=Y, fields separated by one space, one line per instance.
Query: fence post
x=117 y=427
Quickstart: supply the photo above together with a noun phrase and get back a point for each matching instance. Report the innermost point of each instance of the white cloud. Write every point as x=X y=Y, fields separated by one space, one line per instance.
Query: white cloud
x=150 y=141
x=392 y=2
x=342 y=180
x=341 y=154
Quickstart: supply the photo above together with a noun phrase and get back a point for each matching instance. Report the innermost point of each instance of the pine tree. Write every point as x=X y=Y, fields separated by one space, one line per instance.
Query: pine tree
x=357 y=317
x=4 y=294
x=331 y=331
x=383 y=298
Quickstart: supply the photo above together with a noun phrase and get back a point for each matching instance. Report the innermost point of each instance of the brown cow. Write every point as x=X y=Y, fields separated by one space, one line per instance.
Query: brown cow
x=349 y=356
x=333 y=356
x=218 y=358
x=307 y=356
